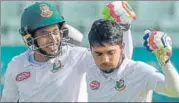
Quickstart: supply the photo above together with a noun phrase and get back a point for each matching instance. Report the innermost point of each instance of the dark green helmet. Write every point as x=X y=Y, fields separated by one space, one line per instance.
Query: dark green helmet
x=39 y=15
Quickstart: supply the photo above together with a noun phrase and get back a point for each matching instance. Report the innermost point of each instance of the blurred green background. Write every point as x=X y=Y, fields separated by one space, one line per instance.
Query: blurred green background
x=154 y=15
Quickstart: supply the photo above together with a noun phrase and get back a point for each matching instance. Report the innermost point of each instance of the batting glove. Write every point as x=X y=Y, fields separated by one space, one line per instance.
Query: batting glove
x=160 y=44
x=121 y=12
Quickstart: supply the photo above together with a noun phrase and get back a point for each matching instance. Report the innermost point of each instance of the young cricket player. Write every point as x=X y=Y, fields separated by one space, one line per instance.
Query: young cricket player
x=49 y=71
x=112 y=77
x=121 y=12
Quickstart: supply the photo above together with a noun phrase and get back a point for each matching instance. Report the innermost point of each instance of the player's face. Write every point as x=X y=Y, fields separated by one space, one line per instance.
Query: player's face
x=107 y=57
x=49 y=39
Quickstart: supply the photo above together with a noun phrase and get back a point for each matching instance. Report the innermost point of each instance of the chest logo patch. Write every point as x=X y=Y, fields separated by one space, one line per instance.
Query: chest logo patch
x=57 y=66
x=22 y=76
x=94 y=85
x=120 y=85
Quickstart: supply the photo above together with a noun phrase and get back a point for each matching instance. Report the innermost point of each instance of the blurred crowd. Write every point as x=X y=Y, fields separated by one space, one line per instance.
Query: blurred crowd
x=158 y=15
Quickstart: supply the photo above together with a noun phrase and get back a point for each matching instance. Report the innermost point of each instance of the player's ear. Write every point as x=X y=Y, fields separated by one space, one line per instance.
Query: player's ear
x=90 y=48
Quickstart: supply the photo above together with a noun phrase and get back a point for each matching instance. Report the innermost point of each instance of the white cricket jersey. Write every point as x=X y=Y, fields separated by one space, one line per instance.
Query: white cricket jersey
x=132 y=82
x=30 y=82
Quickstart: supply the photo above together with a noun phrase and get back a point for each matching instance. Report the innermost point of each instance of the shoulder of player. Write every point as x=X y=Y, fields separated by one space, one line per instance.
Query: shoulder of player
x=138 y=69
x=144 y=67
x=17 y=60
x=78 y=51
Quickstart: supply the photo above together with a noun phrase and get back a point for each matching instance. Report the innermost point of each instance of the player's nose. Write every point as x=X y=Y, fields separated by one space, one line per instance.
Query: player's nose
x=105 y=59
x=51 y=38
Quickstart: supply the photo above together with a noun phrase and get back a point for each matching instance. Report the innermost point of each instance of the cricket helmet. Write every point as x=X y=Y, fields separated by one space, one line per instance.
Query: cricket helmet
x=38 y=15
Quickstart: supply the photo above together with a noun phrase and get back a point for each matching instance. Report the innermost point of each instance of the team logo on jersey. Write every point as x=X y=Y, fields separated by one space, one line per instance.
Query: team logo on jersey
x=94 y=84
x=22 y=76
x=120 y=85
x=45 y=11
x=57 y=66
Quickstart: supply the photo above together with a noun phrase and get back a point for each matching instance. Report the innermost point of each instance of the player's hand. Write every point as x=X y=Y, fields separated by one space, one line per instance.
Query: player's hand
x=160 y=44
x=119 y=11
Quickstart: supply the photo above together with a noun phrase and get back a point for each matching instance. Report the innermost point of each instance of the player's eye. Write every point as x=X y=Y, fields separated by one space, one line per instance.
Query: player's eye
x=111 y=52
x=98 y=53
x=43 y=35
x=56 y=32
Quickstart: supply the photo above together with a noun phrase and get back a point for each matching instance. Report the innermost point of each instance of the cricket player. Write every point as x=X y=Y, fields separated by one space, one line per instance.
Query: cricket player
x=112 y=77
x=49 y=71
x=122 y=13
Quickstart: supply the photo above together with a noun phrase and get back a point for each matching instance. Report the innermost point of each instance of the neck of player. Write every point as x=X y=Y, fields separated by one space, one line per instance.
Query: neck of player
x=40 y=58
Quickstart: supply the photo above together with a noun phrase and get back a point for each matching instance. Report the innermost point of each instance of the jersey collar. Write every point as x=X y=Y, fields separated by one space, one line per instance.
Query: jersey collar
x=28 y=53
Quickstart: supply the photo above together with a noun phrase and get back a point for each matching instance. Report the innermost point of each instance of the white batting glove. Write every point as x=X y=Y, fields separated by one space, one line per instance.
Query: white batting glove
x=119 y=11
x=160 y=44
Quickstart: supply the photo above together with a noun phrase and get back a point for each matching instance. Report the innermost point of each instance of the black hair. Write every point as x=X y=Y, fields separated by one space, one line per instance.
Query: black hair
x=105 y=31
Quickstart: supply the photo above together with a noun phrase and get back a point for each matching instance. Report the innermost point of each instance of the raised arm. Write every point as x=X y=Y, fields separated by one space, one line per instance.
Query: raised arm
x=160 y=44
